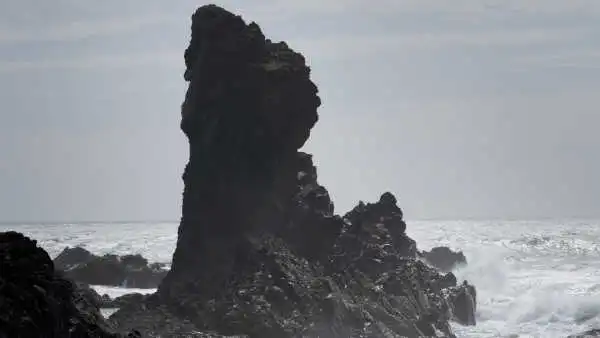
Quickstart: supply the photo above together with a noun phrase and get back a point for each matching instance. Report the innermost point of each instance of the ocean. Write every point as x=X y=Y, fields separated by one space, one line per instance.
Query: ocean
x=533 y=278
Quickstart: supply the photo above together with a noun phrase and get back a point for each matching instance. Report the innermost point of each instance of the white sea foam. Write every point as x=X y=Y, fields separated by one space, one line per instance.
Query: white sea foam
x=533 y=279
x=115 y=292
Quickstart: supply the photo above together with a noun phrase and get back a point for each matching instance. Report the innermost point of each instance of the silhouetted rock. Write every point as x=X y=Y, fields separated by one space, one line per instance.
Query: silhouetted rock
x=129 y=298
x=443 y=258
x=380 y=228
x=130 y=271
x=587 y=334
x=309 y=215
x=71 y=257
x=105 y=301
x=36 y=301
x=463 y=303
x=260 y=251
x=93 y=297
x=250 y=105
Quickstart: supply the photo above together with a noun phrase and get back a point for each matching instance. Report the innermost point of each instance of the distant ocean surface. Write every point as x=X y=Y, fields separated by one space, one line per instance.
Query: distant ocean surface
x=533 y=278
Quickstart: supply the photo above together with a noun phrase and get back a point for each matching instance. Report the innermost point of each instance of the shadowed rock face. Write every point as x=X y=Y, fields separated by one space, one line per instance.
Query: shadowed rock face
x=36 y=301
x=310 y=227
x=260 y=251
x=249 y=107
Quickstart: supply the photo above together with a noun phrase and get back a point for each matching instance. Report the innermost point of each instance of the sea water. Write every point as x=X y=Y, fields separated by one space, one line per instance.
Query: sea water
x=533 y=278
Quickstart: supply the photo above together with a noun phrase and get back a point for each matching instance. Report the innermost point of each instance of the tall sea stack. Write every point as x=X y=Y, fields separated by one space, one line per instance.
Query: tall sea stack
x=260 y=252
x=249 y=107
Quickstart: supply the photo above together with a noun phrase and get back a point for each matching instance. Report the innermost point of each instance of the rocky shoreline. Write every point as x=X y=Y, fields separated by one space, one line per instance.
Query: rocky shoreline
x=129 y=271
x=261 y=251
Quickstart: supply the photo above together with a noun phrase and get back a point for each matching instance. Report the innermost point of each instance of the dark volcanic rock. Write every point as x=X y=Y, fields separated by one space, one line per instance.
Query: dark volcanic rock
x=159 y=321
x=104 y=301
x=36 y=301
x=443 y=258
x=250 y=105
x=309 y=215
x=93 y=297
x=463 y=302
x=128 y=299
x=260 y=251
x=374 y=238
x=130 y=271
x=72 y=257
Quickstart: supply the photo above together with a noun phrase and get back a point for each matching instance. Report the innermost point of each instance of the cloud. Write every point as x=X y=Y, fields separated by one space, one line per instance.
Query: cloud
x=170 y=58
x=77 y=30
x=582 y=58
x=461 y=7
x=407 y=42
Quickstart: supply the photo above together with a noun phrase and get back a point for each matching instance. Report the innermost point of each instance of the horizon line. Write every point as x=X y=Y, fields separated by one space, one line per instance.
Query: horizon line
x=408 y=220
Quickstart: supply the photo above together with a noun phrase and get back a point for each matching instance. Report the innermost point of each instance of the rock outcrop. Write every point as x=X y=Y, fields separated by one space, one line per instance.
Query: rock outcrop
x=93 y=297
x=105 y=301
x=130 y=271
x=443 y=258
x=260 y=251
x=37 y=301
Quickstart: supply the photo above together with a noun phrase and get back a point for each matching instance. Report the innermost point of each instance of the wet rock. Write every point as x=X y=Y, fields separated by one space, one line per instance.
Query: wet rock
x=463 y=303
x=37 y=301
x=444 y=259
x=130 y=271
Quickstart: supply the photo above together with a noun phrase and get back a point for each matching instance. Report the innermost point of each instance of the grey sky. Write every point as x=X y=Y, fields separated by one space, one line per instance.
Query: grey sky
x=464 y=109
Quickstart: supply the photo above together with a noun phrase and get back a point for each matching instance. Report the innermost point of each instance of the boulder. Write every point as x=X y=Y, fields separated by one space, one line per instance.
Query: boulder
x=72 y=257
x=37 y=301
x=105 y=301
x=443 y=258
x=130 y=271
x=127 y=299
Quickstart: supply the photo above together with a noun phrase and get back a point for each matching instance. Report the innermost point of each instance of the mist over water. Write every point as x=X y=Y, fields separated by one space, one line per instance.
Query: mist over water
x=533 y=278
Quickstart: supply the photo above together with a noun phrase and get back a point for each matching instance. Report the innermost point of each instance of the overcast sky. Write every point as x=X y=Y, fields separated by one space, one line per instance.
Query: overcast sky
x=463 y=109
